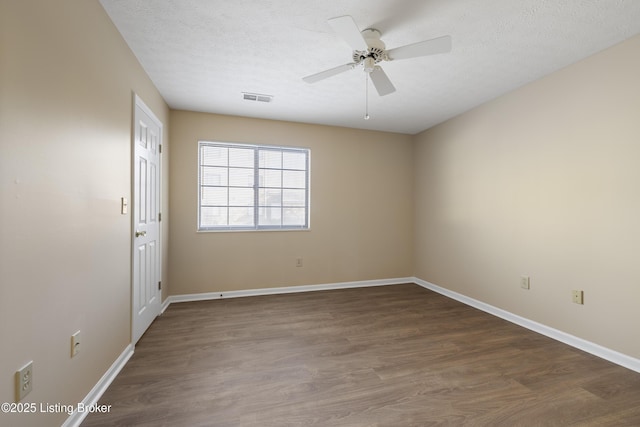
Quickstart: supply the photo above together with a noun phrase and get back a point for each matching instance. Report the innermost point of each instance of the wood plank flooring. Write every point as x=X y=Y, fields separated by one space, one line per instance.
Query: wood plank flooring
x=382 y=356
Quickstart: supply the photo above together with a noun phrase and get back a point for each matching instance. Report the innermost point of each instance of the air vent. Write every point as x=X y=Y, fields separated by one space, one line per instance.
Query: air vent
x=256 y=97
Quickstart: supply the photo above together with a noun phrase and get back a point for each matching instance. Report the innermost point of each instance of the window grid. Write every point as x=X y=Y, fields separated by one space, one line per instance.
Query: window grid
x=276 y=204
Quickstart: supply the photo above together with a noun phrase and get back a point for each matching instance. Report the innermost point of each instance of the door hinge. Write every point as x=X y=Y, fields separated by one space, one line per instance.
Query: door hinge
x=159 y=285
x=159 y=217
x=160 y=148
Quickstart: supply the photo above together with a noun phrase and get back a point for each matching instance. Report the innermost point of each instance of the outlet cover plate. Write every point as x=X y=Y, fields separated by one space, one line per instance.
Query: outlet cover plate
x=577 y=297
x=24 y=381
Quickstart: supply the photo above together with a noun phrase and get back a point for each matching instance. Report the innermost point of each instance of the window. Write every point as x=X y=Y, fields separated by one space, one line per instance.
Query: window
x=252 y=187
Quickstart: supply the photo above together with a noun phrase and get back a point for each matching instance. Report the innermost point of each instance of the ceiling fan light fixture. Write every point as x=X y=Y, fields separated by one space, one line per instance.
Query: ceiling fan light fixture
x=369 y=64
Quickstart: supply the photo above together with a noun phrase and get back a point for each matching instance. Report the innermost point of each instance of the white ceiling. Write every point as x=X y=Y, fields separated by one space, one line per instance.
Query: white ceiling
x=202 y=54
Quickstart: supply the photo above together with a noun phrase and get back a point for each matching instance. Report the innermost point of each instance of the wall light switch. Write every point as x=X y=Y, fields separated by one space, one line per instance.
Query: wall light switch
x=124 y=205
x=75 y=344
x=524 y=282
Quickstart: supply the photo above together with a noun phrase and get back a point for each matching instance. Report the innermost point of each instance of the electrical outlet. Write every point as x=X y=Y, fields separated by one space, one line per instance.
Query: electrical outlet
x=577 y=297
x=75 y=344
x=24 y=381
x=298 y=262
x=524 y=282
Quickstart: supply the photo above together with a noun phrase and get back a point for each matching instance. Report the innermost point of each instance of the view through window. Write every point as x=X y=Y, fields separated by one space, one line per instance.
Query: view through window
x=252 y=187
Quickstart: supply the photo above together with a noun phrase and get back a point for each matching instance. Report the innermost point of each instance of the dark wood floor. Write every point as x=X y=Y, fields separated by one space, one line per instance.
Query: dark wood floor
x=382 y=356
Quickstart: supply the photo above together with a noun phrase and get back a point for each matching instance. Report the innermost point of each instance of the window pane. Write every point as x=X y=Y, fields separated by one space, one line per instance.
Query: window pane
x=294 y=216
x=293 y=197
x=271 y=159
x=213 y=156
x=229 y=180
x=270 y=178
x=294 y=179
x=294 y=160
x=270 y=216
x=241 y=177
x=270 y=197
x=241 y=157
x=241 y=216
x=211 y=217
x=214 y=176
x=214 y=196
x=240 y=196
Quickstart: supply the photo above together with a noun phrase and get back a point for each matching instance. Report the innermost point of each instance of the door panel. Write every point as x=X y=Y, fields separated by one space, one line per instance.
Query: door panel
x=146 y=227
x=141 y=297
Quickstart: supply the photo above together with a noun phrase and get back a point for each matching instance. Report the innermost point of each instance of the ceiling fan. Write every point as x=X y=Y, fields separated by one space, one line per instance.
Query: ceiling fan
x=369 y=50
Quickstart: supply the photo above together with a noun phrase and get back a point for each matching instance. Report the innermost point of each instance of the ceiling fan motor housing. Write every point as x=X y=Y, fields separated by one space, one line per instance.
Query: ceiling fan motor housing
x=374 y=54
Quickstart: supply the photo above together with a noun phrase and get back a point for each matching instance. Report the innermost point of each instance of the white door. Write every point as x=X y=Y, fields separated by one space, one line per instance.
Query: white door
x=145 y=210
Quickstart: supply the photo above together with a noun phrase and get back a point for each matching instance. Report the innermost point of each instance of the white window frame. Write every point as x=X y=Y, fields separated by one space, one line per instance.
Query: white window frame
x=257 y=149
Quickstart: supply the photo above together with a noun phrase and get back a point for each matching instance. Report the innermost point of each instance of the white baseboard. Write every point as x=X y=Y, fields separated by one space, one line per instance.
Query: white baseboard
x=165 y=304
x=101 y=386
x=285 y=290
x=579 y=343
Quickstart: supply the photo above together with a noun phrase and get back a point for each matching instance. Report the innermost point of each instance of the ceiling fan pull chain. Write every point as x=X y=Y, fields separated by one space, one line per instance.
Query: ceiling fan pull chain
x=366 y=96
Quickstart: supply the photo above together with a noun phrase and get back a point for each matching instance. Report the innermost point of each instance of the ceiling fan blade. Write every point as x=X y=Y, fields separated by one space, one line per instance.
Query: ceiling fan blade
x=328 y=73
x=381 y=81
x=346 y=28
x=424 y=48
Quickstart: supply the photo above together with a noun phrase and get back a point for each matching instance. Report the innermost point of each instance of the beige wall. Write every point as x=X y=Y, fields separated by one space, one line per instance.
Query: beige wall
x=66 y=84
x=542 y=182
x=361 y=209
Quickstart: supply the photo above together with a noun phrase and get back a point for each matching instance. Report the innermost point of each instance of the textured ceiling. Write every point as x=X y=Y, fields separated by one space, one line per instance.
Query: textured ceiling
x=202 y=54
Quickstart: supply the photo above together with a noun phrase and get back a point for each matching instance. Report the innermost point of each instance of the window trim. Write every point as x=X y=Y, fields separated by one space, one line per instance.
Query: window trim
x=256 y=187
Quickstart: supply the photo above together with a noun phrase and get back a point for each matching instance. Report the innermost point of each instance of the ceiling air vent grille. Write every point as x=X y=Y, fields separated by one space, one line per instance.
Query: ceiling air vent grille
x=258 y=97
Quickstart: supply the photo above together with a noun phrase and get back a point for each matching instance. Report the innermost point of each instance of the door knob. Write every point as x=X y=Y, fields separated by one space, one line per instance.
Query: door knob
x=140 y=233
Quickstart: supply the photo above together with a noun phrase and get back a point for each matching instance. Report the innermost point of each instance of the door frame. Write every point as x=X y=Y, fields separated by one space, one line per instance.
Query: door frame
x=137 y=102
